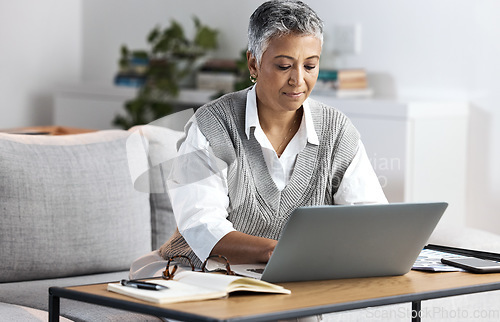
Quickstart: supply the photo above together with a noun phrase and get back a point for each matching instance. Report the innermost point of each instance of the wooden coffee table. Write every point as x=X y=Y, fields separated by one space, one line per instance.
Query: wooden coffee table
x=307 y=298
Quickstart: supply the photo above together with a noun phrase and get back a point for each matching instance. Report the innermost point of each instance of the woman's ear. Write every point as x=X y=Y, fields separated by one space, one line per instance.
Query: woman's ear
x=252 y=63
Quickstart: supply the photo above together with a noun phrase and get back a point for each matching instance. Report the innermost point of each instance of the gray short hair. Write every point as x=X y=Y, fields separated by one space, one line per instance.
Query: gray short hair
x=277 y=18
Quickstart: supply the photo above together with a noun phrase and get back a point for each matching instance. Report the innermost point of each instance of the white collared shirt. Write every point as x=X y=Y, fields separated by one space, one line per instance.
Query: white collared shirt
x=200 y=207
x=280 y=168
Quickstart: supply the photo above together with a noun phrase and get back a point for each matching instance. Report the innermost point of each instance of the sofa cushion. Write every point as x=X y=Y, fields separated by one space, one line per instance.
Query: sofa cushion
x=160 y=143
x=68 y=206
x=11 y=312
x=37 y=298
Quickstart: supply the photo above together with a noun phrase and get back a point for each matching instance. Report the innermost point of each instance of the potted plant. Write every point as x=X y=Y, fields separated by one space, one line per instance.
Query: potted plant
x=169 y=60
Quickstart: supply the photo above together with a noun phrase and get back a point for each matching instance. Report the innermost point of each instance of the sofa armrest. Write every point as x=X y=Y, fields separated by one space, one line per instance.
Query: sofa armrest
x=466 y=237
x=47 y=130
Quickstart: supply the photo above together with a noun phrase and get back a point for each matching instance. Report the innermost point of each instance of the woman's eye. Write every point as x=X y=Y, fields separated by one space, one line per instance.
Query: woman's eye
x=283 y=67
x=310 y=67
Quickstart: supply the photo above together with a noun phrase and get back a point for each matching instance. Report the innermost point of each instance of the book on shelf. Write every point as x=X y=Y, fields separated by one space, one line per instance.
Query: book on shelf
x=222 y=82
x=343 y=83
x=129 y=79
x=196 y=286
x=220 y=66
x=217 y=74
x=343 y=78
x=133 y=74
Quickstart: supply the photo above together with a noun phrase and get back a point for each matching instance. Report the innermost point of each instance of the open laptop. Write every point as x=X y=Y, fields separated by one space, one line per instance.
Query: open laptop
x=331 y=242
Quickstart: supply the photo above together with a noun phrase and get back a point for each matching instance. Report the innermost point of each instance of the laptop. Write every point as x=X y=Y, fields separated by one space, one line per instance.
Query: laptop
x=332 y=242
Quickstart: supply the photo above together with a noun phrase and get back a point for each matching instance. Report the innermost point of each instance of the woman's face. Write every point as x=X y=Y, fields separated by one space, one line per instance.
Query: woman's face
x=287 y=73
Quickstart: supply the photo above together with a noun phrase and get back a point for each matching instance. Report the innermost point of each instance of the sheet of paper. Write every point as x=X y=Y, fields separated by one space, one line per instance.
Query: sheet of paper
x=430 y=260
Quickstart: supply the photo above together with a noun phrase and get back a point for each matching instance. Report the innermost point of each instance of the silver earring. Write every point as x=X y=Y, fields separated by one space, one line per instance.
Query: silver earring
x=253 y=78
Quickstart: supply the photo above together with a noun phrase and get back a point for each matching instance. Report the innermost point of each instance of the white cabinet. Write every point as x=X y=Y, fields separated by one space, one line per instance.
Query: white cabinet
x=418 y=149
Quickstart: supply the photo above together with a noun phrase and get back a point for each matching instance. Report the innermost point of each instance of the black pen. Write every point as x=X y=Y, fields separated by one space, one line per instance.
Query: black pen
x=144 y=285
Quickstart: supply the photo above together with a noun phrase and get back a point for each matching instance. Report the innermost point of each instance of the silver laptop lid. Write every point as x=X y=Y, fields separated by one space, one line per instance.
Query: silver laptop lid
x=329 y=242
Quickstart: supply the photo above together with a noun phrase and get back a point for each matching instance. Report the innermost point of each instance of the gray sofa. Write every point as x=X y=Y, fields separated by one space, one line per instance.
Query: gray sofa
x=79 y=209
x=76 y=209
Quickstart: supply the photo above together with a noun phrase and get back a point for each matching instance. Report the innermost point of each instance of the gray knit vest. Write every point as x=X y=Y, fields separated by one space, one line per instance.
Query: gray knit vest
x=257 y=207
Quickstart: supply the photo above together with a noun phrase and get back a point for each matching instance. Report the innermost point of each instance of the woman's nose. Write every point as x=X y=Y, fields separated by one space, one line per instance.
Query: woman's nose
x=296 y=77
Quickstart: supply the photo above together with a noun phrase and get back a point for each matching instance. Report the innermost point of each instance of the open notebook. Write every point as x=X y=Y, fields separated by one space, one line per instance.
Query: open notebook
x=197 y=286
x=330 y=242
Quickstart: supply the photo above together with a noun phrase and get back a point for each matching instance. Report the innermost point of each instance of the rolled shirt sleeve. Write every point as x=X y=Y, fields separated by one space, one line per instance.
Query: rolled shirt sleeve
x=360 y=184
x=197 y=187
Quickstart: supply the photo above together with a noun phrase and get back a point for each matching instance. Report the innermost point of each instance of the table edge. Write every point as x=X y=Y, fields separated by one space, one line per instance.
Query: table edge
x=146 y=308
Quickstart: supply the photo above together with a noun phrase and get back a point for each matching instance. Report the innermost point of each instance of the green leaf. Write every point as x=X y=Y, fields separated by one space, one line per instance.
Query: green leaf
x=175 y=31
x=197 y=22
x=206 y=38
x=124 y=51
x=142 y=54
x=153 y=35
x=123 y=63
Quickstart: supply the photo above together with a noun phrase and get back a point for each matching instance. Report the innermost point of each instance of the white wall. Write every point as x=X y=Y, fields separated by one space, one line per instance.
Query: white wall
x=109 y=24
x=444 y=49
x=40 y=47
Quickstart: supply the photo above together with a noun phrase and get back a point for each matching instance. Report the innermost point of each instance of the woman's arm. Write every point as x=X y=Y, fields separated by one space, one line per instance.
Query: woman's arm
x=360 y=183
x=241 y=248
x=198 y=192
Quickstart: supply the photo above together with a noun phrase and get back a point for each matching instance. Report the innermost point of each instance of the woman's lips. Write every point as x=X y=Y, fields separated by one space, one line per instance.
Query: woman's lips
x=294 y=94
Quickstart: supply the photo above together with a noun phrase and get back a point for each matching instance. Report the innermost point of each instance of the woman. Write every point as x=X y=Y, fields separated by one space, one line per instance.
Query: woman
x=251 y=157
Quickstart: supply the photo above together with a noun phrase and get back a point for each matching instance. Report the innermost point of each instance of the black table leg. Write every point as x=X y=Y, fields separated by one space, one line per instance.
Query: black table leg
x=54 y=308
x=416 y=308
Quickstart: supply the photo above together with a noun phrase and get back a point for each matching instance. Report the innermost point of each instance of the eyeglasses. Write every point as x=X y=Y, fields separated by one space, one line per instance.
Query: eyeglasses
x=168 y=273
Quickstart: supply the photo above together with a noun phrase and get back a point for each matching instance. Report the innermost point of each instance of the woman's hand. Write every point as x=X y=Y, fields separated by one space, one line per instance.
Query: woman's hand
x=240 y=248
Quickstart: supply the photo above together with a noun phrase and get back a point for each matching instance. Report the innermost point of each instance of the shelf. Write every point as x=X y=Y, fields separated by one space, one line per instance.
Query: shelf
x=94 y=106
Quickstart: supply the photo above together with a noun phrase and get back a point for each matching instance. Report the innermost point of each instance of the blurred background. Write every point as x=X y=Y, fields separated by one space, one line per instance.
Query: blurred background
x=429 y=50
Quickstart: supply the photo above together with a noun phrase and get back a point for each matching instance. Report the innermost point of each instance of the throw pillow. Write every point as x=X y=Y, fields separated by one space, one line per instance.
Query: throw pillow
x=68 y=206
x=160 y=144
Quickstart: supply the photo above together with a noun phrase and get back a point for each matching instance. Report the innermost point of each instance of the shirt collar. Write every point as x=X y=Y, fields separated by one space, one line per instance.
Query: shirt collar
x=252 y=117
